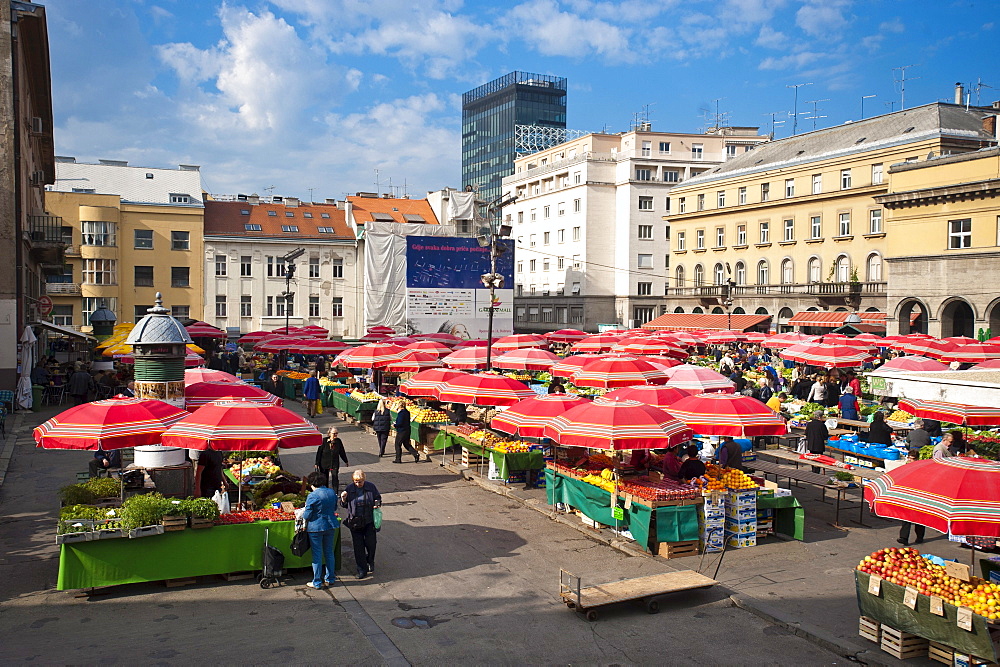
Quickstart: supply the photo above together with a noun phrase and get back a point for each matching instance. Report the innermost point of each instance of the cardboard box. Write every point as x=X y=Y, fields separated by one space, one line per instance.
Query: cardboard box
x=765 y=514
x=741 y=541
x=782 y=493
x=741 y=527
x=741 y=513
x=741 y=499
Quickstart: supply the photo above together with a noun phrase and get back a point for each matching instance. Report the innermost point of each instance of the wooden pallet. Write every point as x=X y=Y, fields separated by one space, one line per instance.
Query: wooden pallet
x=903 y=645
x=678 y=549
x=870 y=629
x=941 y=653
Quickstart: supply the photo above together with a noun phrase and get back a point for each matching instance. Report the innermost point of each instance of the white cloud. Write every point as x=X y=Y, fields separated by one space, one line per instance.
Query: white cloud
x=822 y=18
x=793 y=61
x=553 y=32
x=770 y=38
x=894 y=25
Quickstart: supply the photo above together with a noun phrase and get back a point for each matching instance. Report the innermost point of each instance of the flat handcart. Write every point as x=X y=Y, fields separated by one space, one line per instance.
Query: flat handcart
x=587 y=600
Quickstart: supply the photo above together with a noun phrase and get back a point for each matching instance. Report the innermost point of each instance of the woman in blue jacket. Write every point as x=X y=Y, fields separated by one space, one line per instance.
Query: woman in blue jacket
x=321 y=520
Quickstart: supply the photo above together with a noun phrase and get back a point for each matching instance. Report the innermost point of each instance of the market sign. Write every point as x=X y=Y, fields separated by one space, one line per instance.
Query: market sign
x=878 y=385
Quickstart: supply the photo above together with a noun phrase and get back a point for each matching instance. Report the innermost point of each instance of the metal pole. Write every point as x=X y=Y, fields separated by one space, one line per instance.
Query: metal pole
x=489 y=313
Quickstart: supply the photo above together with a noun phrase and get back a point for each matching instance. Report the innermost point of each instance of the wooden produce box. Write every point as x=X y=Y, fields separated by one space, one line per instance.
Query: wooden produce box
x=903 y=645
x=174 y=523
x=941 y=653
x=870 y=629
x=678 y=549
x=198 y=522
x=470 y=460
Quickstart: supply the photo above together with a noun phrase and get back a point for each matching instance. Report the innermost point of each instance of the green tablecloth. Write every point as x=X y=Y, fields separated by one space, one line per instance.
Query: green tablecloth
x=445 y=439
x=354 y=407
x=338 y=401
x=292 y=388
x=789 y=516
x=175 y=555
x=506 y=462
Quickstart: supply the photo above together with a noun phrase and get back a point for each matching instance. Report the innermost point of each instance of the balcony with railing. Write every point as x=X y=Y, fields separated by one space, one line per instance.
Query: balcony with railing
x=62 y=289
x=48 y=246
x=821 y=290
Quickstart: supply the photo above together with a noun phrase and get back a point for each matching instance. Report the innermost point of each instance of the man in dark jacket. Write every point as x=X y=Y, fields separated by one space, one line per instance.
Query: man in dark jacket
x=816 y=435
x=402 y=425
x=80 y=385
x=105 y=460
x=328 y=458
x=730 y=454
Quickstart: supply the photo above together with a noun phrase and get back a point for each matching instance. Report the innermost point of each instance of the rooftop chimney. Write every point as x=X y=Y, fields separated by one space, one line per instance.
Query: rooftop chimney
x=959 y=93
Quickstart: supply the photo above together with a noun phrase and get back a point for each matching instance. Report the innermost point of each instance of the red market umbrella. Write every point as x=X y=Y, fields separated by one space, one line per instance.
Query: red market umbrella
x=475 y=342
x=913 y=363
x=698 y=379
x=827 y=356
x=322 y=346
x=658 y=396
x=528 y=418
x=920 y=344
x=316 y=329
x=381 y=329
x=986 y=365
x=429 y=383
x=529 y=359
x=113 y=423
x=967 y=415
x=650 y=345
x=413 y=362
x=192 y=375
x=371 y=355
x=469 y=358
x=402 y=341
x=287 y=331
x=243 y=425
x=955 y=495
x=613 y=372
x=728 y=414
x=572 y=364
x=201 y=393
x=282 y=344
x=609 y=423
x=486 y=389
x=204 y=330
x=441 y=337
x=373 y=337
x=596 y=343
x=754 y=336
x=685 y=338
x=520 y=341
x=969 y=352
x=566 y=335
x=663 y=363
x=725 y=337
x=439 y=349
x=254 y=337
x=787 y=339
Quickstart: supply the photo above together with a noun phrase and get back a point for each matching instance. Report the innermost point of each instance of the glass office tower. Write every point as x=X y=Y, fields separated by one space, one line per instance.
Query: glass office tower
x=489 y=114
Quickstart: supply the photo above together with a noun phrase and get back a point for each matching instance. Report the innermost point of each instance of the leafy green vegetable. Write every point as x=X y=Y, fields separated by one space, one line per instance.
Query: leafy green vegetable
x=143 y=510
x=76 y=494
x=104 y=487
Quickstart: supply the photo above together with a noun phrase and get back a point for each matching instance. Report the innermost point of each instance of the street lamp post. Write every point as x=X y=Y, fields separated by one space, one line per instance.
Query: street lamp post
x=288 y=295
x=493 y=280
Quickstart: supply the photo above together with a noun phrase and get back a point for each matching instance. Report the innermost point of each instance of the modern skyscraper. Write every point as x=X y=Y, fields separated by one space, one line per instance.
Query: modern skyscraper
x=489 y=114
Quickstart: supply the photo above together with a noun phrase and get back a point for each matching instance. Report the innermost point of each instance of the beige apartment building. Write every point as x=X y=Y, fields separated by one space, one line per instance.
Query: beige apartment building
x=798 y=224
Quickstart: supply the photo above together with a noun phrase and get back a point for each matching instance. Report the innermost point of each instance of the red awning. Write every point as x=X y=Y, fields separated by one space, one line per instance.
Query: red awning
x=833 y=319
x=700 y=321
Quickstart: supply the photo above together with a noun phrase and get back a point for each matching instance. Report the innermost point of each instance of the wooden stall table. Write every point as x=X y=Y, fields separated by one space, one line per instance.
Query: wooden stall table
x=816 y=479
x=792 y=457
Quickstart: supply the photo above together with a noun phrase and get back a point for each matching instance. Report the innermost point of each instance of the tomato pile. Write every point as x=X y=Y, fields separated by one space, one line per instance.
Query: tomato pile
x=269 y=514
x=234 y=517
x=666 y=489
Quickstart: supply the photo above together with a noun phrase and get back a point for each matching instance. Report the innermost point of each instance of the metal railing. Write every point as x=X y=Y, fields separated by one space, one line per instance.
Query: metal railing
x=45 y=229
x=814 y=289
x=62 y=289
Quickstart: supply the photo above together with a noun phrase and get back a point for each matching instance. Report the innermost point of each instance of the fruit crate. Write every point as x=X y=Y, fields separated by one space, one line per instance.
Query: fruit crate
x=678 y=549
x=470 y=460
x=903 y=645
x=174 y=523
x=870 y=629
x=199 y=522
x=938 y=652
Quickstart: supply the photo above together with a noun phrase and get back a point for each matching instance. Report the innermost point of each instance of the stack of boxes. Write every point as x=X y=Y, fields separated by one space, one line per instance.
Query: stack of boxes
x=741 y=519
x=765 y=517
x=712 y=522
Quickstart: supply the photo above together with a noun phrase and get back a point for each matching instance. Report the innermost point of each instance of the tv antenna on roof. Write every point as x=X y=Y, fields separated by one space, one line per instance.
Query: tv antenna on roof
x=640 y=119
x=269 y=190
x=795 y=106
x=979 y=89
x=774 y=123
x=902 y=82
x=815 y=112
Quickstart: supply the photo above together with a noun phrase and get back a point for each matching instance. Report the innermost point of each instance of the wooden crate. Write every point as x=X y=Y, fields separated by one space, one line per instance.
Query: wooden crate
x=199 y=522
x=174 y=523
x=941 y=653
x=470 y=460
x=870 y=629
x=678 y=549
x=903 y=645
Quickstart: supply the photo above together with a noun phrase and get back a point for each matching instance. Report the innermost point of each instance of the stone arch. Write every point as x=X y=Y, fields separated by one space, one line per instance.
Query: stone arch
x=911 y=315
x=678 y=309
x=739 y=311
x=761 y=311
x=842 y=268
x=699 y=275
x=697 y=309
x=958 y=318
x=787 y=271
x=993 y=317
x=718 y=311
x=814 y=271
x=784 y=315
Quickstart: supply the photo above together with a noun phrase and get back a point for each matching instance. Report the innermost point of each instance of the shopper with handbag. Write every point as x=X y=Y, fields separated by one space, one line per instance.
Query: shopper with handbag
x=320 y=515
x=361 y=500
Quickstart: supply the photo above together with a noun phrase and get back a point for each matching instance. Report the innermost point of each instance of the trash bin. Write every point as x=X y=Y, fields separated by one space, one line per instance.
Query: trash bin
x=37 y=391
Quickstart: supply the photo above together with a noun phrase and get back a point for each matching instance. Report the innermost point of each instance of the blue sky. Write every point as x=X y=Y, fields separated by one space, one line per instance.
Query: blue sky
x=320 y=94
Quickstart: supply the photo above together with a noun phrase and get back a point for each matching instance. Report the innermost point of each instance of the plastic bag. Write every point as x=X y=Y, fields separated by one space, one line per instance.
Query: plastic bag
x=377 y=518
x=801 y=449
x=222 y=500
x=319 y=406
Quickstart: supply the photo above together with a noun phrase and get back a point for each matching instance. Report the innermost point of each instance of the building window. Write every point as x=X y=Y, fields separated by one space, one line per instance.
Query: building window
x=314 y=306
x=845 y=225
x=699 y=275
x=789 y=187
x=62 y=315
x=220 y=305
x=787 y=272
x=720 y=198
x=532 y=265
x=645 y=203
x=314 y=267
x=246 y=265
x=816 y=227
x=560 y=235
x=181 y=312
x=337 y=265
x=290 y=228
x=338 y=306
x=666 y=204
x=143 y=239
x=143 y=276
x=221 y=266
x=576 y=233
x=644 y=289
x=576 y=261
x=289 y=214
x=548 y=314
x=545 y=264
x=307 y=214
x=681 y=241
x=679 y=277
x=845 y=179
x=817 y=181
x=179 y=199
x=643 y=314
x=720 y=237
x=329 y=230
x=877 y=174
x=520 y=217
x=701 y=202
x=180 y=276
x=100 y=272
x=561 y=208
x=645 y=231
x=324 y=215
x=875 y=221
x=645 y=261
x=789 y=227
x=699 y=237
x=815 y=269
x=273 y=214
x=545 y=211
x=874 y=268
x=765 y=191
x=730 y=151
x=180 y=240
x=671 y=176
x=560 y=262
x=742 y=196
x=719 y=273
x=960 y=234
x=91 y=303
x=140 y=311
x=275 y=267
x=741 y=273
x=246 y=306
x=546 y=237
x=664 y=146
x=741 y=235
x=762 y=272
x=100 y=233
x=697 y=151
x=843 y=268
x=642 y=174
x=577 y=205
x=251 y=227
x=765 y=232
x=532 y=240
x=647 y=148
x=270 y=307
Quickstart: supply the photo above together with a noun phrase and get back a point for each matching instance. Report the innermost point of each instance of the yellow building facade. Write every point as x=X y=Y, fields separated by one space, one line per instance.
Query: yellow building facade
x=796 y=223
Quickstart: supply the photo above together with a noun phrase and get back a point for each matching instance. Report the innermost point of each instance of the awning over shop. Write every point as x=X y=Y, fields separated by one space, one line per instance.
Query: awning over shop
x=703 y=321
x=65 y=331
x=832 y=319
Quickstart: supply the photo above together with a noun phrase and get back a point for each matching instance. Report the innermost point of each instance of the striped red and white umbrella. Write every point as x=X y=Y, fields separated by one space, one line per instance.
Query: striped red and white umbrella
x=969 y=352
x=475 y=342
x=531 y=359
x=283 y=344
x=728 y=414
x=381 y=329
x=254 y=337
x=955 y=495
x=597 y=343
x=374 y=337
x=656 y=395
x=316 y=328
x=755 y=336
x=662 y=363
x=441 y=337
x=827 y=356
x=428 y=383
x=323 y=346
x=469 y=358
x=685 y=338
x=231 y=426
x=787 y=339
x=698 y=379
x=728 y=336
x=113 y=423
x=612 y=372
x=415 y=361
x=192 y=375
x=201 y=393
x=968 y=415
x=402 y=341
x=566 y=335
x=519 y=342
x=571 y=364
x=528 y=418
x=609 y=423
x=989 y=364
x=439 y=349
x=191 y=360
x=913 y=363
x=287 y=331
x=919 y=344
x=204 y=330
x=371 y=355
x=486 y=389
x=650 y=345
x=857 y=342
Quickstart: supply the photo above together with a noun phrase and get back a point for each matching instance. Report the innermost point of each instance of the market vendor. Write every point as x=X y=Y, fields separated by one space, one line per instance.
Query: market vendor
x=692 y=466
x=816 y=433
x=105 y=460
x=208 y=473
x=730 y=454
x=879 y=433
x=671 y=464
x=459 y=413
x=849 y=403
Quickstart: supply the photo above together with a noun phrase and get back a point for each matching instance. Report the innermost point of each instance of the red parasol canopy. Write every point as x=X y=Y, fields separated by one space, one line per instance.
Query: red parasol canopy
x=441 y=337
x=204 y=330
x=469 y=358
x=520 y=341
x=725 y=336
x=113 y=423
x=402 y=341
x=381 y=329
x=254 y=337
x=968 y=352
x=828 y=356
x=728 y=414
x=282 y=344
x=371 y=355
x=429 y=383
x=597 y=343
x=439 y=349
x=192 y=375
x=951 y=412
x=608 y=423
x=657 y=396
x=414 y=361
x=199 y=394
x=487 y=389
x=323 y=346
x=787 y=339
x=242 y=425
x=529 y=417
x=613 y=372
x=572 y=364
x=913 y=363
x=566 y=335
x=986 y=365
x=528 y=359
x=650 y=345
x=374 y=337
x=699 y=379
